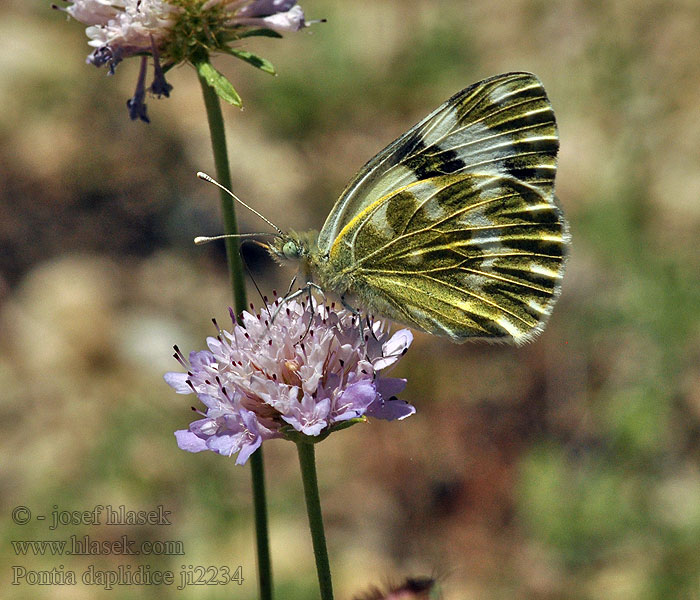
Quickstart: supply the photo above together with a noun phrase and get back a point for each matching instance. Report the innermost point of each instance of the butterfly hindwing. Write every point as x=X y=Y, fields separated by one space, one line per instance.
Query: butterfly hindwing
x=453 y=228
x=467 y=256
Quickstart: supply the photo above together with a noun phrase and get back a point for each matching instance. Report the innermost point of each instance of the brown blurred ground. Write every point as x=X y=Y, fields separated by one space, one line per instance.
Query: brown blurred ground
x=566 y=469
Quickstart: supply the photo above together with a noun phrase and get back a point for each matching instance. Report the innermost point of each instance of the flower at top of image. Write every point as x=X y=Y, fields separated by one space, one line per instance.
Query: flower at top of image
x=291 y=371
x=176 y=31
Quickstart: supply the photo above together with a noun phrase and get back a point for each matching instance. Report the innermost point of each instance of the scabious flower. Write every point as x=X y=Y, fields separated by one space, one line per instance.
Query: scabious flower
x=291 y=371
x=421 y=588
x=175 y=31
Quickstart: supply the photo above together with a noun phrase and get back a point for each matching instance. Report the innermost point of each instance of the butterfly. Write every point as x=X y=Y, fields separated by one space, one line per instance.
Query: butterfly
x=453 y=228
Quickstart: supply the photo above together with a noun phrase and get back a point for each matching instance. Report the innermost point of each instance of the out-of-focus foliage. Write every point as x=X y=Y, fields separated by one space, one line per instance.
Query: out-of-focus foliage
x=569 y=468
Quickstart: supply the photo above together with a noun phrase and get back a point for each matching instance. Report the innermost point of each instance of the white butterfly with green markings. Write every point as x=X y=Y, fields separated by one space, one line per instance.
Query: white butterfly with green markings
x=453 y=228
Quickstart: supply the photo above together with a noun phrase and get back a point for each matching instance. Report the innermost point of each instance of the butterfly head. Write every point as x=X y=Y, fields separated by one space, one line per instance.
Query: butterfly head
x=292 y=247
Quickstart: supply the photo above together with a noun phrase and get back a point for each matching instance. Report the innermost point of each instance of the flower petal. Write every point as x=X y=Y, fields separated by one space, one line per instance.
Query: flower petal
x=247 y=450
x=390 y=386
x=309 y=416
x=355 y=400
x=394 y=349
x=265 y=8
x=186 y=440
x=178 y=381
x=226 y=444
x=292 y=20
x=390 y=410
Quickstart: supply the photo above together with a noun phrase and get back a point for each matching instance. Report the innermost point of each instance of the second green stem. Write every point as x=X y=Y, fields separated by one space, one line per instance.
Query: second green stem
x=307 y=462
x=235 y=264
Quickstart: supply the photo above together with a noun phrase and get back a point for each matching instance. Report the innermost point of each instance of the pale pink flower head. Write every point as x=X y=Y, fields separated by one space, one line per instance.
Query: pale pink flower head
x=176 y=31
x=291 y=371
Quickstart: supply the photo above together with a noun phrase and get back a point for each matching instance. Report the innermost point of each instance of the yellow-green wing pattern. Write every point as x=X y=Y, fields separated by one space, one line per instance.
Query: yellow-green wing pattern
x=500 y=126
x=464 y=255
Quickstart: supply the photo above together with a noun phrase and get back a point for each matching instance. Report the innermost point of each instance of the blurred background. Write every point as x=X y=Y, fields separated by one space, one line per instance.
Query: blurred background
x=566 y=469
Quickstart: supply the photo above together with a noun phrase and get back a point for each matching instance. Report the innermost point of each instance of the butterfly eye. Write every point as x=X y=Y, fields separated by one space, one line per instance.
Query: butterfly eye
x=291 y=250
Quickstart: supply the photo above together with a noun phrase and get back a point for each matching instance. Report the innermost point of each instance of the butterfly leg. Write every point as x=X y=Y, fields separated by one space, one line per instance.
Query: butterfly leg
x=282 y=301
x=303 y=290
x=289 y=296
x=307 y=289
x=291 y=285
x=356 y=314
x=309 y=286
x=347 y=306
x=318 y=288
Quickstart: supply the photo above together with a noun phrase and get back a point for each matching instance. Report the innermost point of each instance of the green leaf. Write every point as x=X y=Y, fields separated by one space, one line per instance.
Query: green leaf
x=261 y=63
x=259 y=32
x=221 y=85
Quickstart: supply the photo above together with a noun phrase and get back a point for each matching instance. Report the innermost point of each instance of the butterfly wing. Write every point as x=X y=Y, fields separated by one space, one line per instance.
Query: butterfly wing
x=502 y=125
x=455 y=229
x=462 y=255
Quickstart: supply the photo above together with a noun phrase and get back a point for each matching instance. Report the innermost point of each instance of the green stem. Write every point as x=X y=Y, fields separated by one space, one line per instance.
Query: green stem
x=307 y=461
x=223 y=174
x=257 y=472
x=237 y=275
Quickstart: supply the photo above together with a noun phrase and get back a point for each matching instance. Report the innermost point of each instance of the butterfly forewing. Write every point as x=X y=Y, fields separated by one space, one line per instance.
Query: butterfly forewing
x=454 y=228
x=502 y=125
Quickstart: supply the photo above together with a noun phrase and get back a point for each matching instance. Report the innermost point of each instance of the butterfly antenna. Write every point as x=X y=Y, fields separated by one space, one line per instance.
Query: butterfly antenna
x=209 y=179
x=205 y=239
